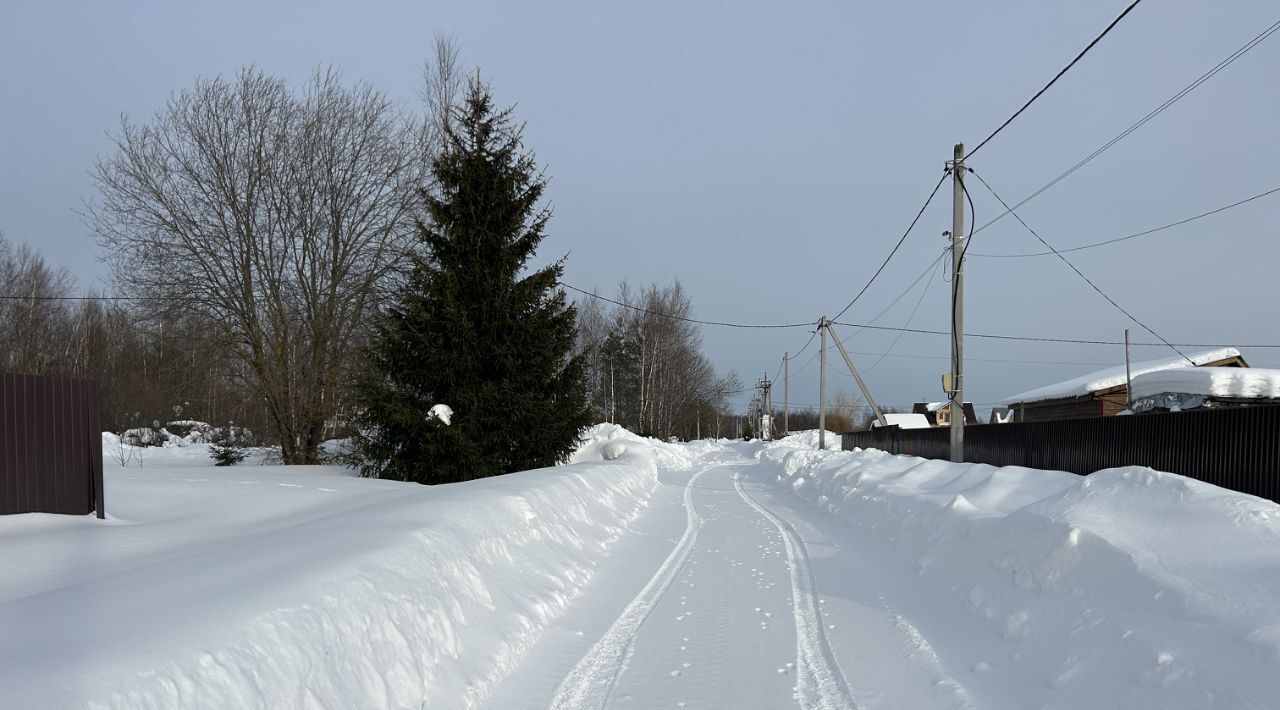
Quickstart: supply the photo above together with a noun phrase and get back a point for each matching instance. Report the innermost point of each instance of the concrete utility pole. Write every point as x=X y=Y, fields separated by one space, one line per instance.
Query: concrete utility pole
x=767 y=424
x=957 y=305
x=786 y=392
x=822 y=385
x=762 y=408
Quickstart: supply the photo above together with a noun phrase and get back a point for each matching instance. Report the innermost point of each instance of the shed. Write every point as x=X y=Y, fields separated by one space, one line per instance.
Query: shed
x=1103 y=393
x=1191 y=387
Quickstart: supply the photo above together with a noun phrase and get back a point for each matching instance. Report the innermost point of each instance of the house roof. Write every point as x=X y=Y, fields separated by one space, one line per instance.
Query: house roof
x=904 y=420
x=1252 y=382
x=1115 y=376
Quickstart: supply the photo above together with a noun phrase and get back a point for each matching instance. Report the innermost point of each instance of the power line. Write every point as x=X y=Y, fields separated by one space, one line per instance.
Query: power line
x=1258 y=39
x=910 y=287
x=1080 y=273
x=9 y=297
x=1003 y=361
x=923 y=292
x=670 y=316
x=1032 y=339
x=1054 y=79
x=901 y=239
x=787 y=357
x=1143 y=233
x=867 y=326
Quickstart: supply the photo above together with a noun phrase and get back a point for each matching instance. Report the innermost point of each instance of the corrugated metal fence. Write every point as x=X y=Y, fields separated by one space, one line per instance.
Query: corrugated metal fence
x=1232 y=448
x=50 y=446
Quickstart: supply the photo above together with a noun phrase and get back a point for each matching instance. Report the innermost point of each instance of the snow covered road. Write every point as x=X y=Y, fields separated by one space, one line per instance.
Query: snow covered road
x=646 y=575
x=733 y=616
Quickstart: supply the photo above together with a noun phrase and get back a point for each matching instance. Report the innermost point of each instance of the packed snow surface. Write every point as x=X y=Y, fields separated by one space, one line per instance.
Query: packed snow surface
x=1115 y=376
x=1245 y=382
x=714 y=574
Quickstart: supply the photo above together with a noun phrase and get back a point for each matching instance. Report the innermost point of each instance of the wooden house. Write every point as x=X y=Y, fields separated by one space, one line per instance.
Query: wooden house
x=938 y=413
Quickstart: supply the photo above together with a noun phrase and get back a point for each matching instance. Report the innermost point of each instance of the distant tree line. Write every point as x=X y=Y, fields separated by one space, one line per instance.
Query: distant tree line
x=150 y=367
x=645 y=367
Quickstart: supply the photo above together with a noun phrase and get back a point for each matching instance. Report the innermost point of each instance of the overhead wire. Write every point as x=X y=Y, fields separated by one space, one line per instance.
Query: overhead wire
x=1241 y=51
x=901 y=239
x=684 y=319
x=867 y=326
x=1135 y=235
x=1055 y=78
x=1080 y=273
x=924 y=292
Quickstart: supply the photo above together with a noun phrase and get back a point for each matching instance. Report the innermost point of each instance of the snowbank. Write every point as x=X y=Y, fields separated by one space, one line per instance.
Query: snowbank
x=302 y=587
x=1128 y=588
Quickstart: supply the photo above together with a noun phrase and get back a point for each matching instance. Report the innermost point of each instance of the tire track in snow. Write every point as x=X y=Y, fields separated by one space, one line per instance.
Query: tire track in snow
x=820 y=685
x=589 y=684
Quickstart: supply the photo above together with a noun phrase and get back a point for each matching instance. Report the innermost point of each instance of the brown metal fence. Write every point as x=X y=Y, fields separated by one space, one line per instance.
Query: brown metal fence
x=1237 y=448
x=50 y=445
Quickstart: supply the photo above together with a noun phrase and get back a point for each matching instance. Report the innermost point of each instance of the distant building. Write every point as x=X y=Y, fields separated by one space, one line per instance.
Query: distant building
x=1103 y=393
x=903 y=420
x=939 y=414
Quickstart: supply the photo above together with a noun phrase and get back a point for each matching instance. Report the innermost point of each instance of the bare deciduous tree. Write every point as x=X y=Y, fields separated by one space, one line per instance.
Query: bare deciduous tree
x=645 y=365
x=276 y=216
x=32 y=319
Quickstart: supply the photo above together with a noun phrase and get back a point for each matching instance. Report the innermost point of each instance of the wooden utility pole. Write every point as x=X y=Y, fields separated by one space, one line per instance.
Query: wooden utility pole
x=822 y=385
x=786 y=392
x=957 y=305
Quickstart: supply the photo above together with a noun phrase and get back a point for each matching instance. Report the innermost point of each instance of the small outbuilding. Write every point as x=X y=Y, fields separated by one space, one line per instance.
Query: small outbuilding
x=1210 y=387
x=1104 y=393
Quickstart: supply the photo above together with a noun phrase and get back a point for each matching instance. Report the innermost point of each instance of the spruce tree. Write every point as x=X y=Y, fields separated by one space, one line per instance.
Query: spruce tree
x=472 y=329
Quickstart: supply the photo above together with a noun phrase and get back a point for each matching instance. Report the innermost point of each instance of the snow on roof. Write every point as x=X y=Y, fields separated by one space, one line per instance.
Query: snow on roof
x=1113 y=376
x=1210 y=382
x=905 y=420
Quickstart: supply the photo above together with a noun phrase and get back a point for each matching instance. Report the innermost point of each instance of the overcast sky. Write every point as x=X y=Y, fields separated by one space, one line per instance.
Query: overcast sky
x=768 y=156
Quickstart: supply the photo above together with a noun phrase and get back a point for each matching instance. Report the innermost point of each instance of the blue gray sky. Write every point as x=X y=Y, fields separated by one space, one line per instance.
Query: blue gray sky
x=768 y=155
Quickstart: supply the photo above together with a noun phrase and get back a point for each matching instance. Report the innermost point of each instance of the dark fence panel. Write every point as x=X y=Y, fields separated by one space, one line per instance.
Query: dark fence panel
x=1235 y=448
x=50 y=446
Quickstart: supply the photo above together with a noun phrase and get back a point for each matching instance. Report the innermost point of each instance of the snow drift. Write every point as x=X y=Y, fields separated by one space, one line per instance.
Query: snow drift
x=1129 y=588
x=303 y=587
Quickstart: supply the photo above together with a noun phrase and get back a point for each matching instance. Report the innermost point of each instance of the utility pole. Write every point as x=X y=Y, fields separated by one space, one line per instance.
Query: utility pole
x=764 y=393
x=822 y=385
x=1128 y=378
x=786 y=392
x=957 y=305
